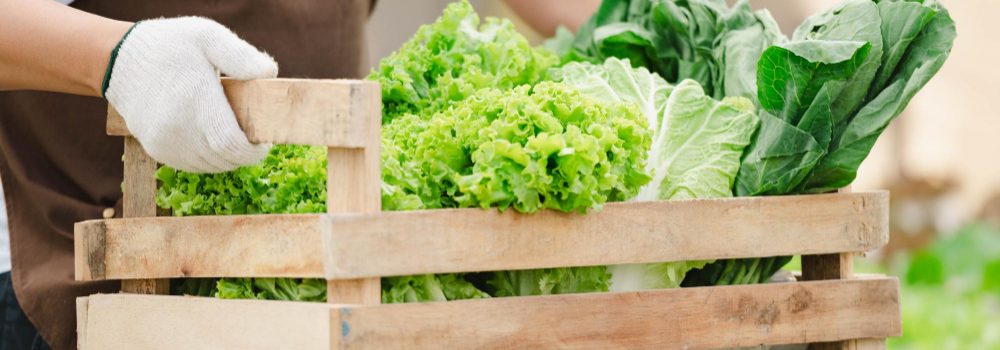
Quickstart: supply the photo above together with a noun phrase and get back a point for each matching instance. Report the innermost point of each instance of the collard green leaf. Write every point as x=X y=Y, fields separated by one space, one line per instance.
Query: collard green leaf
x=849 y=147
x=902 y=22
x=798 y=83
x=680 y=40
x=740 y=48
x=790 y=75
x=778 y=159
x=852 y=20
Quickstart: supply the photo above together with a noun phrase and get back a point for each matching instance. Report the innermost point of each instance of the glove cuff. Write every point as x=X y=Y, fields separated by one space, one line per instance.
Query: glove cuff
x=111 y=62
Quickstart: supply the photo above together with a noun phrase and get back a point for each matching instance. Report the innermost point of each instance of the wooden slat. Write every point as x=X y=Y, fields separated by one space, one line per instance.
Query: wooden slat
x=406 y=243
x=353 y=185
x=226 y=246
x=838 y=266
x=689 y=318
x=402 y=243
x=293 y=111
x=81 y=323
x=139 y=200
x=170 y=322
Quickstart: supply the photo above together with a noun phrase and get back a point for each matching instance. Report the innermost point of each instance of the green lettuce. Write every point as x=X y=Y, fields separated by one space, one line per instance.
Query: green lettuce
x=529 y=148
x=467 y=124
x=565 y=280
x=697 y=143
x=452 y=58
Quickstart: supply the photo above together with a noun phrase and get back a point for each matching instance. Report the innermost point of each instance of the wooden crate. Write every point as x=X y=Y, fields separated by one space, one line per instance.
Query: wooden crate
x=354 y=244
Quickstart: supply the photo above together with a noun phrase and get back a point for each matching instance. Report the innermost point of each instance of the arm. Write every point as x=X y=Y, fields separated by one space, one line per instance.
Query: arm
x=547 y=15
x=48 y=46
x=164 y=80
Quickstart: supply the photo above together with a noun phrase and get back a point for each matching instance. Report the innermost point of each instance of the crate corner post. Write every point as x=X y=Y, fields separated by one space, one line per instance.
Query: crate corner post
x=839 y=266
x=139 y=199
x=354 y=184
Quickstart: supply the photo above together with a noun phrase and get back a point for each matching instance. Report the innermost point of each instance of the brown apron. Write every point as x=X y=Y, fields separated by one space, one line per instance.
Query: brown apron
x=59 y=167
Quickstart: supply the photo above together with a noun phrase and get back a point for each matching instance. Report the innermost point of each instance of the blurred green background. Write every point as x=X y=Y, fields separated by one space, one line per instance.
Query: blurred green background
x=950 y=289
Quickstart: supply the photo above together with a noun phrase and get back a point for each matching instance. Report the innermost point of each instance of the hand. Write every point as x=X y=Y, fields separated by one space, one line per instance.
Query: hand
x=165 y=85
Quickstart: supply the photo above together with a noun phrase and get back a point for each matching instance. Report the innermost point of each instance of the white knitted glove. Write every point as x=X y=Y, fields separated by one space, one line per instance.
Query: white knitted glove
x=165 y=85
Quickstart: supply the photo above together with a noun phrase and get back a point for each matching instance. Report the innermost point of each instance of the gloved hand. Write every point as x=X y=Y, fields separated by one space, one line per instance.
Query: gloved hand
x=165 y=85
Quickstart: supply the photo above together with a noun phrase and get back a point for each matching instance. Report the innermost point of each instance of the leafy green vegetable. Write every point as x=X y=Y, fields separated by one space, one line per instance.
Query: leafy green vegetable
x=697 y=149
x=847 y=73
x=422 y=288
x=632 y=277
x=467 y=124
x=528 y=148
x=695 y=153
x=291 y=179
x=615 y=80
x=797 y=84
x=918 y=62
x=550 y=281
x=824 y=97
x=704 y=40
x=289 y=289
x=452 y=58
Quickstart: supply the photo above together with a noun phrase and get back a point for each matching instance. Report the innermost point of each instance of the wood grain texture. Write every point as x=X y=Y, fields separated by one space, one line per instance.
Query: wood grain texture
x=139 y=200
x=827 y=266
x=462 y=240
x=689 y=318
x=293 y=111
x=81 y=323
x=353 y=185
x=401 y=243
x=838 y=266
x=172 y=322
x=200 y=246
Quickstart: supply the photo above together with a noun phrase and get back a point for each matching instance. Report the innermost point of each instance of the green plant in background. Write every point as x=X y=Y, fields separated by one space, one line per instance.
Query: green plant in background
x=951 y=292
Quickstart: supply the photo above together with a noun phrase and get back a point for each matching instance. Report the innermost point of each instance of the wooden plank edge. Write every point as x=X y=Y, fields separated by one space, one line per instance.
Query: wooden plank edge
x=172 y=247
x=141 y=248
x=687 y=318
x=262 y=108
x=89 y=250
x=134 y=321
x=470 y=240
x=81 y=323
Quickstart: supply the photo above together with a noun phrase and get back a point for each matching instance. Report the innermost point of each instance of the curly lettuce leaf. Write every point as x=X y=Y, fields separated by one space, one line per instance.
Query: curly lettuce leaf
x=452 y=58
x=529 y=148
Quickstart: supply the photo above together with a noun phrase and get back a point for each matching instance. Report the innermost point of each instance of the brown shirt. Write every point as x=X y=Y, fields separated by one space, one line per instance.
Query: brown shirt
x=59 y=167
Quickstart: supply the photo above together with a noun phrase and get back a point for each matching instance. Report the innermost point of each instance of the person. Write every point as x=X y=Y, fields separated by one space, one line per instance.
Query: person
x=157 y=63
